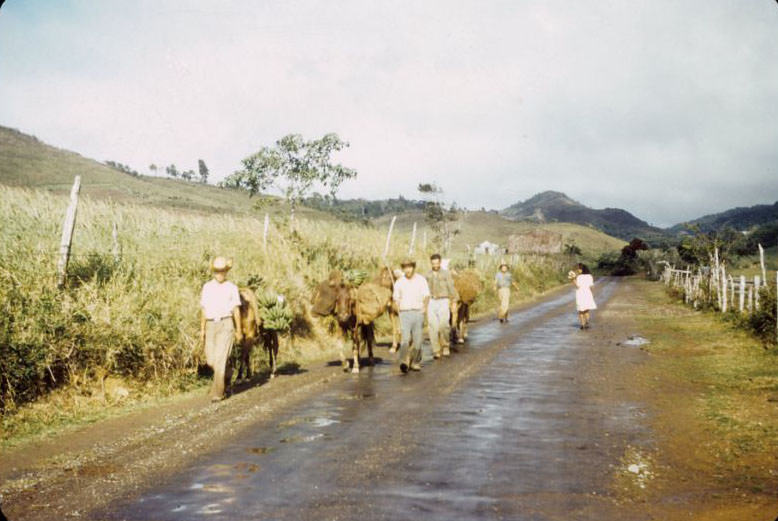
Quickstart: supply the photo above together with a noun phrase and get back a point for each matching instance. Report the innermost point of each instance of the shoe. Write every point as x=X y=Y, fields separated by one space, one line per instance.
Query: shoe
x=404 y=367
x=446 y=351
x=502 y=320
x=215 y=399
x=436 y=356
x=415 y=367
x=582 y=328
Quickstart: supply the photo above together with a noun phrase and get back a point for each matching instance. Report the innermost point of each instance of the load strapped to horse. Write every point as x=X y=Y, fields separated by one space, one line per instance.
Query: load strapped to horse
x=356 y=305
x=468 y=284
x=263 y=316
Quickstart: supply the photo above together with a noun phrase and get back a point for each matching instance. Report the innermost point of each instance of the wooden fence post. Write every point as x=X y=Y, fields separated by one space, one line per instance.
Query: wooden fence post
x=389 y=237
x=742 y=292
x=413 y=241
x=750 y=300
x=716 y=279
x=776 y=305
x=761 y=263
x=67 y=233
x=757 y=287
x=724 y=296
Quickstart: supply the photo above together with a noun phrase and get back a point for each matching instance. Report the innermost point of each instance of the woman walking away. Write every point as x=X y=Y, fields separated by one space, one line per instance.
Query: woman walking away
x=584 y=300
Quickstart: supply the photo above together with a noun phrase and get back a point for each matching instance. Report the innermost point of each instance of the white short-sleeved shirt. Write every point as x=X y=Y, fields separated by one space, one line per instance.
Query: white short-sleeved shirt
x=410 y=293
x=218 y=299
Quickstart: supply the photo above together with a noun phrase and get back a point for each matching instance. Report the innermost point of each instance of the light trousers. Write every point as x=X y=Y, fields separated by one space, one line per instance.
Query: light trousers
x=219 y=338
x=438 y=315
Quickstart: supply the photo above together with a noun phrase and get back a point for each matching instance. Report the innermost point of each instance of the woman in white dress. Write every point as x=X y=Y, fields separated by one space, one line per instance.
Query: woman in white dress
x=584 y=300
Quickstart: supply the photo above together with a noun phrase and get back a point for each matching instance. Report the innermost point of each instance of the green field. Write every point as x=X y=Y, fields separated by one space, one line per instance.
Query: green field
x=132 y=321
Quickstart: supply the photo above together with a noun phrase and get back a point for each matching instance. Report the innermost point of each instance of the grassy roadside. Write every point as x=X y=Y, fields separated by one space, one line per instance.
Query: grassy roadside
x=715 y=394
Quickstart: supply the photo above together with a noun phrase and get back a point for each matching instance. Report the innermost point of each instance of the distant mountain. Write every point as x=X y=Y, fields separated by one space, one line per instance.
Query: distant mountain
x=557 y=207
x=741 y=218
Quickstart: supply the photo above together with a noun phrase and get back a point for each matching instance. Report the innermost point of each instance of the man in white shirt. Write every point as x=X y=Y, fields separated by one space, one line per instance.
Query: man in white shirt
x=220 y=325
x=411 y=297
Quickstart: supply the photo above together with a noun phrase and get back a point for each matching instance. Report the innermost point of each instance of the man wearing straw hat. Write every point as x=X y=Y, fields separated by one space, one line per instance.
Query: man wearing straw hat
x=220 y=325
x=411 y=297
x=502 y=283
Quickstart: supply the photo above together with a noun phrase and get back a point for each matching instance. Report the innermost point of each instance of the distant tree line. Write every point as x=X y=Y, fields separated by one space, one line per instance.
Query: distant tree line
x=361 y=209
x=125 y=169
x=187 y=175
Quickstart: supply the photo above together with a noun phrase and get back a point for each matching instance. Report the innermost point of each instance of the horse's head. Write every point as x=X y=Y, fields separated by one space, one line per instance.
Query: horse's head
x=343 y=303
x=385 y=278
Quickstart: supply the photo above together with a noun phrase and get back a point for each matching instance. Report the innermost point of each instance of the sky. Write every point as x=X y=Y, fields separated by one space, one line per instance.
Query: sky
x=667 y=109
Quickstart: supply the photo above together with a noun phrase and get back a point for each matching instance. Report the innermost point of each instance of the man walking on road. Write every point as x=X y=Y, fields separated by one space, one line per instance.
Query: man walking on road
x=443 y=296
x=220 y=325
x=502 y=283
x=411 y=297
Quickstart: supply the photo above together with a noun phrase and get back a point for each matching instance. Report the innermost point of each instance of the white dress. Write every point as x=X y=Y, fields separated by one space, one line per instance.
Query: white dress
x=584 y=300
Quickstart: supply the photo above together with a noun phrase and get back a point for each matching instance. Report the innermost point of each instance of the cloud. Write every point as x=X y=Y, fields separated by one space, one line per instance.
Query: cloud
x=664 y=108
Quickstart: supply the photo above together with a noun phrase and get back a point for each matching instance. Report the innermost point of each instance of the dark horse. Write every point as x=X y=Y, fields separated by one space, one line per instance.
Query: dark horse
x=346 y=316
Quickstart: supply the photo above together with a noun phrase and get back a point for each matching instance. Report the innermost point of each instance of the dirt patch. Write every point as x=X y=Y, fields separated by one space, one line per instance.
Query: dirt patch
x=705 y=388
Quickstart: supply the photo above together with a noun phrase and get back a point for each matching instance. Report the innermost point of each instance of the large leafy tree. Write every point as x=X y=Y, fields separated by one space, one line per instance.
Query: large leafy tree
x=293 y=166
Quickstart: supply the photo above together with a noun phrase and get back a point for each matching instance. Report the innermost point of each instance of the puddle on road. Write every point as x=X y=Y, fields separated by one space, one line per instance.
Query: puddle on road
x=303 y=439
x=320 y=421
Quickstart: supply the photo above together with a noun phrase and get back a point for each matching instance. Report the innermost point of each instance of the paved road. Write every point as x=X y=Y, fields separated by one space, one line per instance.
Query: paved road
x=505 y=429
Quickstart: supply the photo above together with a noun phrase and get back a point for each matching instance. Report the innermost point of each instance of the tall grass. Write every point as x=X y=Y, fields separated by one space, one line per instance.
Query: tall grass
x=137 y=317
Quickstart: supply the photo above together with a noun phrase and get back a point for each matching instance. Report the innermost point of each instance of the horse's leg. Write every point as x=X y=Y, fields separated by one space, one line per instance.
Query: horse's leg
x=465 y=320
x=345 y=337
x=272 y=350
x=275 y=353
x=369 y=331
x=355 y=348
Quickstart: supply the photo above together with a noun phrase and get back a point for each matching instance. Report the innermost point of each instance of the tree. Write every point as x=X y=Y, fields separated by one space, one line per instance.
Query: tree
x=293 y=166
x=203 y=171
x=153 y=168
x=438 y=218
x=171 y=170
x=187 y=175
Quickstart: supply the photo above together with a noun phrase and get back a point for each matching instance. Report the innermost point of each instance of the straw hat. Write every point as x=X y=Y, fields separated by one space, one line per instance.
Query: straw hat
x=221 y=264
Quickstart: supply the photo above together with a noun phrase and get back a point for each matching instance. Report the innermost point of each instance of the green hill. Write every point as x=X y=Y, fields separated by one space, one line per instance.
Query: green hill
x=740 y=218
x=476 y=227
x=557 y=207
x=25 y=161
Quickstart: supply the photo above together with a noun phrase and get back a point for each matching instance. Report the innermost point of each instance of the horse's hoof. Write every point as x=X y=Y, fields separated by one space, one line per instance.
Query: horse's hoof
x=355 y=370
x=393 y=349
x=272 y=376
x=461 y=341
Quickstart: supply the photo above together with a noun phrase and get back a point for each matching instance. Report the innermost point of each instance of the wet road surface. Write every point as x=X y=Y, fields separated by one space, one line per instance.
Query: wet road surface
x=502 y=430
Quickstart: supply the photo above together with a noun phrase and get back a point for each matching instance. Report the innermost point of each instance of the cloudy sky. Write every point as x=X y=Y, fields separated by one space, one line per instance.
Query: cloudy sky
x=668 y=109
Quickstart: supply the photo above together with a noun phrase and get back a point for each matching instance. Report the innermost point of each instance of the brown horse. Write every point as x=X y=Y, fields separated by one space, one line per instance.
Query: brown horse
x=385 y=278
x=351 y=329
x=253 y=332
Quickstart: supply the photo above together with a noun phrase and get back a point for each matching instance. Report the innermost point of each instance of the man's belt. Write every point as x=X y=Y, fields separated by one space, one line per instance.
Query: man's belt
x=218 y=319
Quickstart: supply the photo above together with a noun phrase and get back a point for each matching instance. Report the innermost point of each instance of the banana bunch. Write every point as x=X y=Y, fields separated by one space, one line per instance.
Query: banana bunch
x=355 y=277
x=274 y=311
